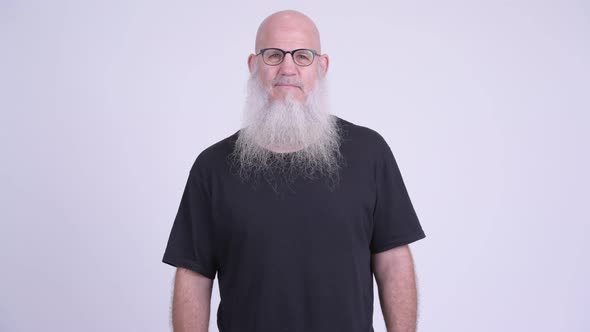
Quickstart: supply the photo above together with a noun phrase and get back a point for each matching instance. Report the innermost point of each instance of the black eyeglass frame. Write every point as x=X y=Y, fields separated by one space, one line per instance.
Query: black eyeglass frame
x=292 y=52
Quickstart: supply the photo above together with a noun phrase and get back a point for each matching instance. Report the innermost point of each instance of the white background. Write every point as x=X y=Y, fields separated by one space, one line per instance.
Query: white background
x=105 y=105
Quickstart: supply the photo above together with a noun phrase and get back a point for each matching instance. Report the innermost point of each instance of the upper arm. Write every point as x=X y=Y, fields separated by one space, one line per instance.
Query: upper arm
x=191 y=301
x=191 y=282
x=395 y=222
x=387 y=263
x=191 y=243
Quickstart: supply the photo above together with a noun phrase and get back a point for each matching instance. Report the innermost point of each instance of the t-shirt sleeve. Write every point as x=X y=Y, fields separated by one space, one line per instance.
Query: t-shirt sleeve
x=395 y=222
x=191 y=243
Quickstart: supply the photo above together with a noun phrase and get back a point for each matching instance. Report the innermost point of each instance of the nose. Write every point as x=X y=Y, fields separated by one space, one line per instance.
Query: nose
x=288 y=67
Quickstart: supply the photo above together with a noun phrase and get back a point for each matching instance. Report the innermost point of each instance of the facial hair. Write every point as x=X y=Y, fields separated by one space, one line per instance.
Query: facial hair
x=305 y=130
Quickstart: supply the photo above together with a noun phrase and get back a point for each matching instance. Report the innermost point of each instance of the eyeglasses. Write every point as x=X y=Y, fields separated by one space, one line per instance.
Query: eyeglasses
x=274 y=56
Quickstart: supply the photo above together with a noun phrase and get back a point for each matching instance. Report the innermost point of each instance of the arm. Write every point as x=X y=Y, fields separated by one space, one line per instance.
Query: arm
x=191 y=301
x=394 y=273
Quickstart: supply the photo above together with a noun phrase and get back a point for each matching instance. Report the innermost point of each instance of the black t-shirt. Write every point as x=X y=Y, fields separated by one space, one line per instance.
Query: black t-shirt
x=301 y=261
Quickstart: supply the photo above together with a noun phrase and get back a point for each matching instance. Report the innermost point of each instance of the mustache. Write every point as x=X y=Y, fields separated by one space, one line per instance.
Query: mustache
x=287 y=80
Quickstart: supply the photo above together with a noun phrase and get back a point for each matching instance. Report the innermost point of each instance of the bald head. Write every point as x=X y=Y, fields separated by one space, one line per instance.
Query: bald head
x=288 y=27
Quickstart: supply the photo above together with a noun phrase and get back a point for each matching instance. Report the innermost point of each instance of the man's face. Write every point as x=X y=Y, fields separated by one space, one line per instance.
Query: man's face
x=288 y=78
x=287 y=129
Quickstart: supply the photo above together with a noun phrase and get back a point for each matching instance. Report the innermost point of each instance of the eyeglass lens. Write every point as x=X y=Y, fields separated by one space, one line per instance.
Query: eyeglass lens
x=274 y=57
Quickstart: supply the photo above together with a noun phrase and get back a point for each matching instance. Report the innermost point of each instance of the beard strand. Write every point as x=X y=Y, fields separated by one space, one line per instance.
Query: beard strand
x=305 y=130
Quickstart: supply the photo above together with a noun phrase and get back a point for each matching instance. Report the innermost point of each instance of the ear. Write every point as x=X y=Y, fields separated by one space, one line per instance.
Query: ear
x=251 y=59
x=325 y=59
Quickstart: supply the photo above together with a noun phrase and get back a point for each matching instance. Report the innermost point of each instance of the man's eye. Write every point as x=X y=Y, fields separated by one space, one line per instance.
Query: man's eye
x=274 y=56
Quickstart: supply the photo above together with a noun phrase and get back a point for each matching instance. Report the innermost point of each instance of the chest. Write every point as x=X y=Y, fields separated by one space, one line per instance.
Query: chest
x=286 y=216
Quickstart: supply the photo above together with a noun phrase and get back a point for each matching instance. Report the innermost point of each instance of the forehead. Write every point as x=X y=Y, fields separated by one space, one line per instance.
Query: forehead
x=287 y=40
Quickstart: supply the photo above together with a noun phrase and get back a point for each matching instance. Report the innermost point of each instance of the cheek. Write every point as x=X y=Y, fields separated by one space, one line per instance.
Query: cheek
x=309 y=82
x=267 y=76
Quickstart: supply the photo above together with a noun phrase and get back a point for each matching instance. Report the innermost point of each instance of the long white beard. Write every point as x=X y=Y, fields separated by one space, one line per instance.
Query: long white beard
x=305 y=134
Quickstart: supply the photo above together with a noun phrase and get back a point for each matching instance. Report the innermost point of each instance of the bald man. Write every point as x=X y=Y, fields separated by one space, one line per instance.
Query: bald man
x=296 y=211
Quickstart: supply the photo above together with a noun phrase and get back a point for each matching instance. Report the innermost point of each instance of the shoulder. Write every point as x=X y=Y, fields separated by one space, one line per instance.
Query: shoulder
x=214 y=155
x=361 y=136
